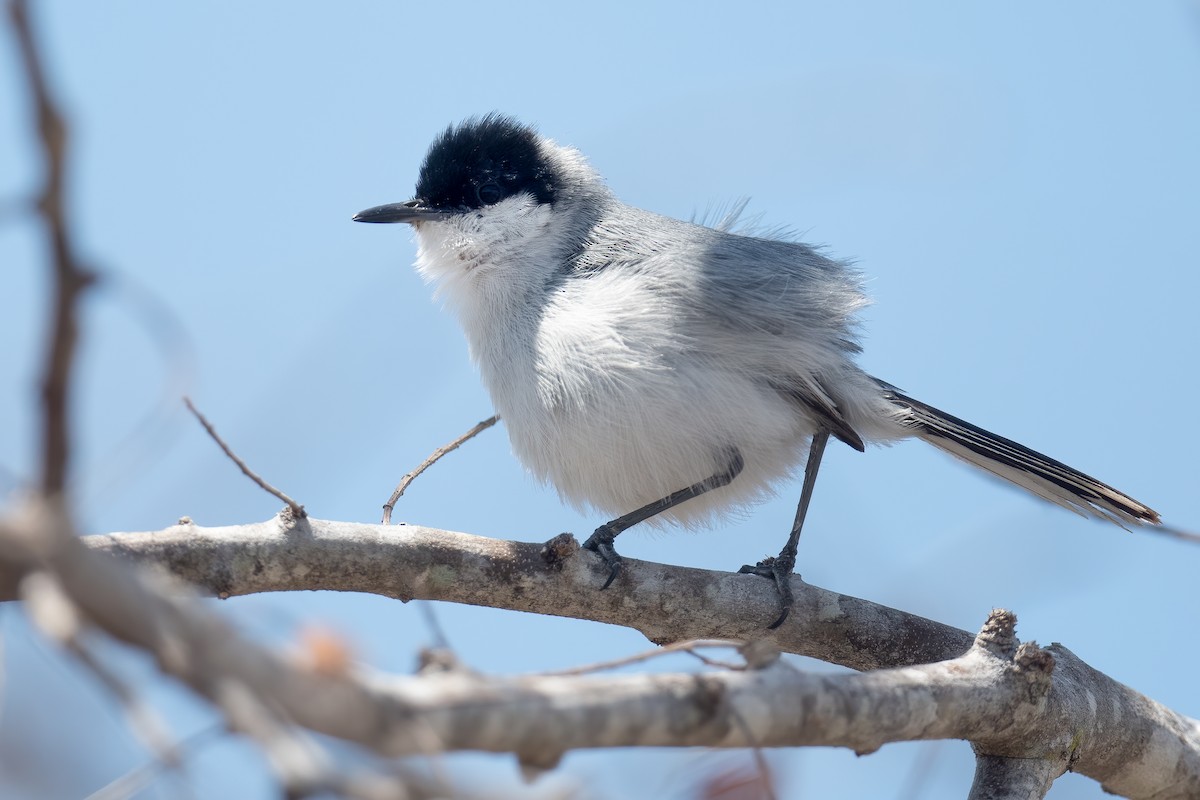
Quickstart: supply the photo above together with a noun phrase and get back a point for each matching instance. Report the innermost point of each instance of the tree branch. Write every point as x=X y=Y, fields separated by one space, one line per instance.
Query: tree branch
x=666 y=603
x=1015 y=703
x=70 y=279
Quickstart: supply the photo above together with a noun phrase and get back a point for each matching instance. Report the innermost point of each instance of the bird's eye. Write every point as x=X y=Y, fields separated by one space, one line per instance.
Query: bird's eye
x=489 y=193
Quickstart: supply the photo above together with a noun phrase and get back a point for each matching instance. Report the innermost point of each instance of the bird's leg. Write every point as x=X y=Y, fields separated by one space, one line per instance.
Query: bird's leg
x=601 y=542
x=779 y=568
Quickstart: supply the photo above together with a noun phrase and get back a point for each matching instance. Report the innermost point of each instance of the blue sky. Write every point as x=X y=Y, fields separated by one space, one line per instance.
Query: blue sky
x=1019 y=182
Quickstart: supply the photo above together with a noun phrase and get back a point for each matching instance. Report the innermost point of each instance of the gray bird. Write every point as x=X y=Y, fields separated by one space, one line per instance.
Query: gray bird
x=649 y=367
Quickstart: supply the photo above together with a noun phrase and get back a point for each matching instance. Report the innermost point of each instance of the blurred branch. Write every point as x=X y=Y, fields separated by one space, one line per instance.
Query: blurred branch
x=257 y=691
x=140 y=778
x=70 y=279
x=69 y=589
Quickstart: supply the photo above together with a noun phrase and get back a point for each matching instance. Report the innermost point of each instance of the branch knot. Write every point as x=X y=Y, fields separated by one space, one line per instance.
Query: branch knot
x=1036 y=667
x=999 y=634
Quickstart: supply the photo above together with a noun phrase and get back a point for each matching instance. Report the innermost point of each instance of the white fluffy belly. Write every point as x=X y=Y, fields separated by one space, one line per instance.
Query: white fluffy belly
x=618 y=449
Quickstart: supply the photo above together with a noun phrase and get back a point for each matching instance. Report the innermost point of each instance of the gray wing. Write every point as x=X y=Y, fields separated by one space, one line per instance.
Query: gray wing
x=776 y=309
x=820 y=406
x=794 y=305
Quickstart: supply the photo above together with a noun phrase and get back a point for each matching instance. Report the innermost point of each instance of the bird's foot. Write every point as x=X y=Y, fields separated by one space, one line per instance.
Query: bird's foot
x=601 y=543
x=779 y=569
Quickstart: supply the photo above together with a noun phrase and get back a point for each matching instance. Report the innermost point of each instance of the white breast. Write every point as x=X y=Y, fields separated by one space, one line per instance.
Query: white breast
x=602 y=394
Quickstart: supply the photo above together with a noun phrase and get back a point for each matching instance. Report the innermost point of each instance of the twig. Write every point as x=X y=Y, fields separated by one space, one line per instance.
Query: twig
x=303 y=766
x=760 y=760
x=140 y=777
x=715 y=663
x=434 y=457
x=156 y=428
x=438 y=633
x=69 y=278
x=916 y=783
x=740 y=781
x=296 y=508
x=52 y=611
x=675 y=647
x=142 y=718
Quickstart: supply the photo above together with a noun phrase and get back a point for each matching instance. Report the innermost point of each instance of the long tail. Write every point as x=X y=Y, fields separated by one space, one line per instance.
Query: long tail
x=1049 y=479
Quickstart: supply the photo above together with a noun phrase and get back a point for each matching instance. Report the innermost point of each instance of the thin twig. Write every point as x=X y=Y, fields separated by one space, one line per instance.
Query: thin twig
x=675 y=647
x=296 y=508
x=434 y=457
x=69 y=278
x=142 y=718
x=140 y=777
x=53 y=612
x=760 y=759
x=715 y=663
x=440 y=640
x=916 y=783
x=150 y=435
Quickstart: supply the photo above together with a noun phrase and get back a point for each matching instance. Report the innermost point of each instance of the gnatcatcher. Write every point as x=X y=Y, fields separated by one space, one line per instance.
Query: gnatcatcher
x=650 y=367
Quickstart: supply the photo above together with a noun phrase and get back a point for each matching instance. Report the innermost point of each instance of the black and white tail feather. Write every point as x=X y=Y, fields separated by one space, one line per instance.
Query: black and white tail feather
x=1046 y=477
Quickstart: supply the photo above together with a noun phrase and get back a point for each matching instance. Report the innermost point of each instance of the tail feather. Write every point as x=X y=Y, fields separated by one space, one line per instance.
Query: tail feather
x=1044 y=476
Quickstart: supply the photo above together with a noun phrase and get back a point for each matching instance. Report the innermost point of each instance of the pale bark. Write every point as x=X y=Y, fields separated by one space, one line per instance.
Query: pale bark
x=1031 y=713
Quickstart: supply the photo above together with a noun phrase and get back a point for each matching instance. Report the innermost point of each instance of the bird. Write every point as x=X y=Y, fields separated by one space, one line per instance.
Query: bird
x=656 y=369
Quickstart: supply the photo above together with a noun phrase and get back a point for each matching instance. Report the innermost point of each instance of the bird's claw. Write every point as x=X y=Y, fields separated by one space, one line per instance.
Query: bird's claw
x=601 y=543
x=779 y=569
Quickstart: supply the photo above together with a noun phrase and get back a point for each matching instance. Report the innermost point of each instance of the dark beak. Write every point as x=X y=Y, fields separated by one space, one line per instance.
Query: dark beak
x=412 y=211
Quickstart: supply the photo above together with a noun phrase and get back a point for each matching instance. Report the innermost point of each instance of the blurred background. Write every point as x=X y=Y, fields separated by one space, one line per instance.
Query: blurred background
x=1021 y=184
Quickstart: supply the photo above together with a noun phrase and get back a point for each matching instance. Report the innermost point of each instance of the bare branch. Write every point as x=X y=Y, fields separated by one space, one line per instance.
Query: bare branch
x=70 y=279
x=434 y=457
x=1063 y=708
x=296 y=508
x=1012 y=701
x=259 y=692
x=667 y=603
